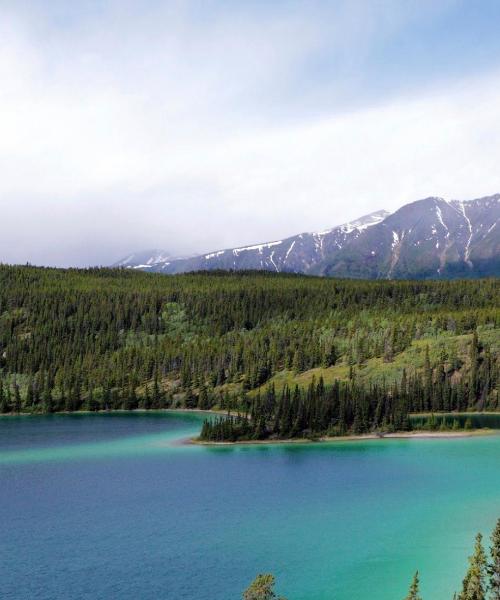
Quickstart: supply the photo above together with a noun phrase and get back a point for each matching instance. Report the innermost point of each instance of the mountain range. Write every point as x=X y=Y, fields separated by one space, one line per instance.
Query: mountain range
x=429 y=238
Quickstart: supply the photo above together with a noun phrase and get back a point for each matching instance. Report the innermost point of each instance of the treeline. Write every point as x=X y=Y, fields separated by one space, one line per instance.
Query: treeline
x=333 y=411
x=102 y=339
x=353 y=408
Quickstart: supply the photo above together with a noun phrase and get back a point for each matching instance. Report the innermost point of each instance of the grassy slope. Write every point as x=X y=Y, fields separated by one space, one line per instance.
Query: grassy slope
x=376 y=370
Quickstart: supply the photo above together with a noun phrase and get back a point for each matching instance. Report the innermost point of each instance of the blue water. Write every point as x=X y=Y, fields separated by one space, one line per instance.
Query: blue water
x=114 y=507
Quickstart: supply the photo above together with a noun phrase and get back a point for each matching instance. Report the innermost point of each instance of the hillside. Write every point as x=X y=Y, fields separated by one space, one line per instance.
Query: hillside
x=99 y=338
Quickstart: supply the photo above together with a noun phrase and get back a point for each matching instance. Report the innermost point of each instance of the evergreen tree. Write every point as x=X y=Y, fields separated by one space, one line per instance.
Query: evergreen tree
x=4 y=407
x=473 y=359
x=17 y=398
x=427 y=380
x=474 y=586
x=203 y=402
x=261 y=588
x=330 y=356
x=494 y=565
x=413 y=593
x=48 y=404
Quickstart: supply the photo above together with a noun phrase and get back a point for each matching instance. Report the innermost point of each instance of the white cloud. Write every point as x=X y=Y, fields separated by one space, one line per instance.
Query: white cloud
x=113 y=139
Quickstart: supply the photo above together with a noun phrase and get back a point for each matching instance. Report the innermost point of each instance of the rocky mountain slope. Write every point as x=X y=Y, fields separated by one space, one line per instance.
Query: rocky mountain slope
x=429 y=238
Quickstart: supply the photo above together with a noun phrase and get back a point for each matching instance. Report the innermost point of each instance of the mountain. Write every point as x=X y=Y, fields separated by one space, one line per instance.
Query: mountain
x=297 y=254
x=425 y=239
x=429 y=238
x=146 y=259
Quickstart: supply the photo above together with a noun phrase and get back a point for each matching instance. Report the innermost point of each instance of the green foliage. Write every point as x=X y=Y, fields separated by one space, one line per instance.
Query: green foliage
x=414 y=589
x=334 y=410
x=261 y=588
x=474 y=587
x=108 y=338
x=494 y=565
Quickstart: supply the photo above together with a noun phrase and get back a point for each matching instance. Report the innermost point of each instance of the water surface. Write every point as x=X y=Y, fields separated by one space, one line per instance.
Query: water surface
x=113 y=507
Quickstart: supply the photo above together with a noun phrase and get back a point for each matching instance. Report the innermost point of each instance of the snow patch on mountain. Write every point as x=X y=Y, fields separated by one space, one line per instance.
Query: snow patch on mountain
x=214 y=254
x=258 y=247
x=457 y=236
x=289 y=249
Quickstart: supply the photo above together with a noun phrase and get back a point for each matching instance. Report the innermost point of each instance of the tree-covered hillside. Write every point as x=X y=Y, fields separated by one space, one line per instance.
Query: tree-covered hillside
x=256 y=342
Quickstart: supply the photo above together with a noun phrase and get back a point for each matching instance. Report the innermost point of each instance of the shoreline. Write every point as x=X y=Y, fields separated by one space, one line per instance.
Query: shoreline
x=419 y=435
x=225 y=412
x=119 y=411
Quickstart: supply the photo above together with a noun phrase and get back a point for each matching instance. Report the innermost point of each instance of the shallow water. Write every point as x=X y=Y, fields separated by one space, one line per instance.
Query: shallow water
x=112 y=506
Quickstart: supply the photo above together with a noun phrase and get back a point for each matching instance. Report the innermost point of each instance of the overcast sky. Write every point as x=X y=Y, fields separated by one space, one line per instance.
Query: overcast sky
x=193 y=126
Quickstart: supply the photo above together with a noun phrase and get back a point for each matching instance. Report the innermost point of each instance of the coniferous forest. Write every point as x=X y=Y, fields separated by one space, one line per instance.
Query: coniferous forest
x=285 y=355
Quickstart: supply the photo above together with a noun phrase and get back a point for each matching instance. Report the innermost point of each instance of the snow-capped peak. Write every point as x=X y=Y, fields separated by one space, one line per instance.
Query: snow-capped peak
x=451 y=236
x=144 y=259
x=359 y=224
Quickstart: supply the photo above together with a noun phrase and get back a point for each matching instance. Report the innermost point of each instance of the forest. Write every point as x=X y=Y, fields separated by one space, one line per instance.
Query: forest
x=286 y=355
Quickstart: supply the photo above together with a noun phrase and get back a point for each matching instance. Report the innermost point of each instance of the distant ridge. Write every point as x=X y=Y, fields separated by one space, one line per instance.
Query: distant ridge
x=429 y=238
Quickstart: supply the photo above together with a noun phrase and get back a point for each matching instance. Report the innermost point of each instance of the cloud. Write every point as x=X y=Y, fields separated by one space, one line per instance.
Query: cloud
x=191 y=131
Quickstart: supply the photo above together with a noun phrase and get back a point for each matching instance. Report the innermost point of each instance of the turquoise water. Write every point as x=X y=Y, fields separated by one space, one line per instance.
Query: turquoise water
x=114 y=507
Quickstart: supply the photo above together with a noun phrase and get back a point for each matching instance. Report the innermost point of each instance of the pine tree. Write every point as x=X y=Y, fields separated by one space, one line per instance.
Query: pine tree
x=48 y=405
x=17 y=398
x=146 y=399
x=474 y=587
x=427 y=380
x=203 y=402
x=261 y=588
x=298 y=361
x=494 y=565
x=4 y=407
x=473 y=379
x=414 y=589
x=30 y=395
x=330 y=356
x=156 y=399
x=389 y=346
x=190 y=399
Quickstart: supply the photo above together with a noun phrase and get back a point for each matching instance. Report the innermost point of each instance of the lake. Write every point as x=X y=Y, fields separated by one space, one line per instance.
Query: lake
x=113 y=506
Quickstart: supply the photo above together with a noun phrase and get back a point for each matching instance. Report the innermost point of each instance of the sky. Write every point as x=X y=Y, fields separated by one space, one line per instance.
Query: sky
x=197 y=125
